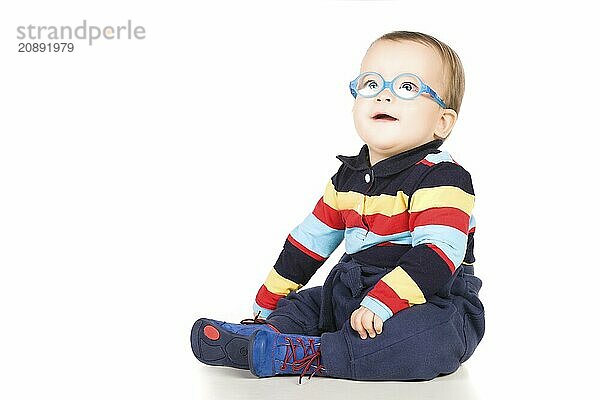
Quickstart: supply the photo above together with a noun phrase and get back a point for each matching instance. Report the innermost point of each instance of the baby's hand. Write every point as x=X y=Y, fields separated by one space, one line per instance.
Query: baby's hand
x=363 y=319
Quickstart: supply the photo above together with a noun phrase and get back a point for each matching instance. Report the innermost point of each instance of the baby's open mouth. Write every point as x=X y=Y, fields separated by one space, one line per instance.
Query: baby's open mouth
x=384 y=117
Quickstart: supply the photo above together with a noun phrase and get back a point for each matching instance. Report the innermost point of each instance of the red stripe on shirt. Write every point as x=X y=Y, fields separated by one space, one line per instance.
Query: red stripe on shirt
x=383 y=225
x=266 y=299
x=303 y=249
x=442 y=255
x=377 y=223
x=385 y=294
x=328 y=215
x=424 y=161
x=448 y=216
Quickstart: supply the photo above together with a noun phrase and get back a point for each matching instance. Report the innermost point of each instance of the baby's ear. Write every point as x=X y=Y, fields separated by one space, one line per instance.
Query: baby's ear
x=445 y=123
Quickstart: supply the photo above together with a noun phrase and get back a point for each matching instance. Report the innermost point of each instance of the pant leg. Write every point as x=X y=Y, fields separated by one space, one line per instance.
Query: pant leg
x=474 y=324
x=420 y=342
x=298 y=312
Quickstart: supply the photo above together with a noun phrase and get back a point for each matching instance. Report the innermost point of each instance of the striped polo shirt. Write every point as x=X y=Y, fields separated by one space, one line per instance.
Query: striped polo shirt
x=411 y=211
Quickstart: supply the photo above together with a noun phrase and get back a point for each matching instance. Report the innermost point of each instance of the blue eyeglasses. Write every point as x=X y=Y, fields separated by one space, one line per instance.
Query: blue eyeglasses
x=404 y=86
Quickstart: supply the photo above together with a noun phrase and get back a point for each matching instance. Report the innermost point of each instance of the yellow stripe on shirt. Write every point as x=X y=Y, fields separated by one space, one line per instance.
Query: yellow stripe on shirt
x=383 y=204
x=386 y=204
x=349 y=200
x=329 y=197
x=442 y=196
x=404 y=286
x=277 y=284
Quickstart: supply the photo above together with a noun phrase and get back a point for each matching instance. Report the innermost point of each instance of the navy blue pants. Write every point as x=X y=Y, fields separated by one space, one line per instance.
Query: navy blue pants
x=417 y=343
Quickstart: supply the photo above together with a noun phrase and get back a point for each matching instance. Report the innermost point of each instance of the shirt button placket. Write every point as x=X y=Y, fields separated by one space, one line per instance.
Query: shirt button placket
x=370 y=179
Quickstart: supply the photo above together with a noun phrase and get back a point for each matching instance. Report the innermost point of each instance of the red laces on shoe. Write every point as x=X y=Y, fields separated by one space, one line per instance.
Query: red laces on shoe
x=257 y=320
x=307 y=361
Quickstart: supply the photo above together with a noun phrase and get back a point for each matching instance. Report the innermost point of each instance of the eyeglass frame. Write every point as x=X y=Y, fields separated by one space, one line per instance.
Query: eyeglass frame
x=388 y=84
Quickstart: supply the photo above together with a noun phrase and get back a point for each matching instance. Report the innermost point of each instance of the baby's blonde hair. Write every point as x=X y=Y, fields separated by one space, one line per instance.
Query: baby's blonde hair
x=454 y=75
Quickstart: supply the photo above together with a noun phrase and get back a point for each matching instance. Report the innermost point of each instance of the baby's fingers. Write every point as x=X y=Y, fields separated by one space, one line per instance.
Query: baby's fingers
x=357 y=323
x=378 y=322
x=355 y=319
x=367 y=322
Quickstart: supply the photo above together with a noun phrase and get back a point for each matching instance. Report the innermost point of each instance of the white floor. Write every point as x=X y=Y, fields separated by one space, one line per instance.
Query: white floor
x=228 y=383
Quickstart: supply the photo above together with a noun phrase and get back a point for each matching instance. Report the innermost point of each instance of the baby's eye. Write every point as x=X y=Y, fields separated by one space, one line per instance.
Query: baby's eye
x=371 y=84
x=409 y=87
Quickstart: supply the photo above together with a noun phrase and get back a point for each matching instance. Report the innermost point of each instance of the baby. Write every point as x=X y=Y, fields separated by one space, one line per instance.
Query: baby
x=402 y=302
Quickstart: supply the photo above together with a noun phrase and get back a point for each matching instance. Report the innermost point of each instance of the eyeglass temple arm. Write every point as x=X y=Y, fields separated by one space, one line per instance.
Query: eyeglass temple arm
x=435 y=96
x=352 y=91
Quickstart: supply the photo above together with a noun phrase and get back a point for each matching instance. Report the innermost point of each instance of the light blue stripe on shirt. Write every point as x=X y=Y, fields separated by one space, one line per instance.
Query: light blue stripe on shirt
x=358 y=239
x=471 y=222
x=450 y=240
x=377 y=307
x=439 y=157
x=317 y=236
x=264 y=312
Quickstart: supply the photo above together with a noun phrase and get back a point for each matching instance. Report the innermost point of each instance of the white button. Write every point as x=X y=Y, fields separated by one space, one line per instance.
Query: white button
x=367 y=178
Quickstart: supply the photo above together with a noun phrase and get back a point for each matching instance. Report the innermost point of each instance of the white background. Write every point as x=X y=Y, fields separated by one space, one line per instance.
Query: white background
x=147 y=183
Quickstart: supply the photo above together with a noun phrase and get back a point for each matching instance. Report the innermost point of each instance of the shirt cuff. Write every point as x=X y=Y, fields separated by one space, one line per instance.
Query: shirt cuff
x=264 y=312
x=377 y=307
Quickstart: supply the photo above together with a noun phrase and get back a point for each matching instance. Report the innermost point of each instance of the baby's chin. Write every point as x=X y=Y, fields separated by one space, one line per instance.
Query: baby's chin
x=383 y=140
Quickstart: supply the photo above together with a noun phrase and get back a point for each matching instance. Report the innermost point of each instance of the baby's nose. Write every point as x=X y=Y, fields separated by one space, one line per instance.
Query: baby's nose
x=385 y=95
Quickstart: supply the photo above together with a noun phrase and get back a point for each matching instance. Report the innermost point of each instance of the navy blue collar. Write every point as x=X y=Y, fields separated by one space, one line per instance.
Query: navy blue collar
x=391 y=165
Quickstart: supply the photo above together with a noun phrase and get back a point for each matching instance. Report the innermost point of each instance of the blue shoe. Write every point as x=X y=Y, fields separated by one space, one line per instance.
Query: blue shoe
x=273 y=353
x=225 y=344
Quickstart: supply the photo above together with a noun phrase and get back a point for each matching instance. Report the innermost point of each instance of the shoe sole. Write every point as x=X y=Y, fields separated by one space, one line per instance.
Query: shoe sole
x=222 y=349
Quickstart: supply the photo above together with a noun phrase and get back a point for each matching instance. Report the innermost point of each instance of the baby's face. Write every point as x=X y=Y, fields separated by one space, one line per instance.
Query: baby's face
x=416 y=120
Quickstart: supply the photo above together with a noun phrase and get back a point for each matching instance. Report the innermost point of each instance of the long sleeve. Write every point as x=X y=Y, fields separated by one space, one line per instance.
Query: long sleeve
x=305 y=249
x=440 y=209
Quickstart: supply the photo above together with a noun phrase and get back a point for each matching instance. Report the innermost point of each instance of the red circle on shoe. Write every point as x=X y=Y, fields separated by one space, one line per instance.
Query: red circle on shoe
x=211 y=332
